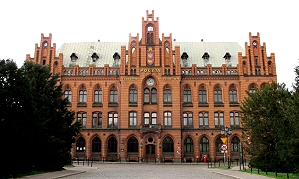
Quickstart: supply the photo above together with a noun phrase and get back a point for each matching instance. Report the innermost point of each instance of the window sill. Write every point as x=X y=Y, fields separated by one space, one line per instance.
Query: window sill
x=219 y=104
x=82 y=105
x=97 y=105
x=187 y=104
x=113 y=105
x=203 y=105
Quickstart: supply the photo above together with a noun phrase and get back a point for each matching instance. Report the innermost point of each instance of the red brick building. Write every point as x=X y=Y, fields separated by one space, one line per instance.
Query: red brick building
x=153 y=97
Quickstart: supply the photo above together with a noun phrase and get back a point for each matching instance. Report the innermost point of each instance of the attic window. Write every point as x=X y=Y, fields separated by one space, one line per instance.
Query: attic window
x=184 y=56
x=116 y=56
x=227 y=56
x=74 y=57
x=206 y=56
x=94 y=57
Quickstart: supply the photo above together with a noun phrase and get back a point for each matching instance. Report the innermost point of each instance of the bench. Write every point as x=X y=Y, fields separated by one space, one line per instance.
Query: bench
x=188 y=159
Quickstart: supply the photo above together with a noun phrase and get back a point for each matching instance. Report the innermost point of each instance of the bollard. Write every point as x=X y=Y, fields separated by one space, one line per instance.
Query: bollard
x=78 y=160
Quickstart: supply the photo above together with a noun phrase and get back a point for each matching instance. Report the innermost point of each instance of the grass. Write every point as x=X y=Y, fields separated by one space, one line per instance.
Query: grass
x=272 y=174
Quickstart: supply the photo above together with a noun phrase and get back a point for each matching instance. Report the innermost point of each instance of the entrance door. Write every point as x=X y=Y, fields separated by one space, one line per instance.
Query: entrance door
x=150 y=152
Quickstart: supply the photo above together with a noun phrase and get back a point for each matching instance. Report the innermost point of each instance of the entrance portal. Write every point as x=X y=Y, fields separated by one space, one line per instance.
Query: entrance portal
x=150 y=152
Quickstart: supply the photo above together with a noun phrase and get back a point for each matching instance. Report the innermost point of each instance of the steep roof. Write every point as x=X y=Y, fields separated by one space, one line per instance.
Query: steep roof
x=195 y=51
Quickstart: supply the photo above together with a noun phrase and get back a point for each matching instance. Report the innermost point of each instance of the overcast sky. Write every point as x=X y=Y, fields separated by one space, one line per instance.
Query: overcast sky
x=23 y=21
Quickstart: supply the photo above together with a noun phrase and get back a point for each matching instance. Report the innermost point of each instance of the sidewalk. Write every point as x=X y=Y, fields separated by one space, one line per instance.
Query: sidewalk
x=63 y=173
x=235 y=173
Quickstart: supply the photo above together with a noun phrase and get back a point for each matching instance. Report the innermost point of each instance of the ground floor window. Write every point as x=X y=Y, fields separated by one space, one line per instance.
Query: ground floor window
x=132 y=145
x=112 y=145
x=80 y=145
x=167 y=145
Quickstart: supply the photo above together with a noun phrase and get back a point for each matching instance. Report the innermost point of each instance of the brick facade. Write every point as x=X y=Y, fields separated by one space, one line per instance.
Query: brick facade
x=147 y=57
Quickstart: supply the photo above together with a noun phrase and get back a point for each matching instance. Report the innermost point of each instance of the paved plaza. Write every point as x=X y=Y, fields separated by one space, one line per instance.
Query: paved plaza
x=153 y=171
x=145 y=171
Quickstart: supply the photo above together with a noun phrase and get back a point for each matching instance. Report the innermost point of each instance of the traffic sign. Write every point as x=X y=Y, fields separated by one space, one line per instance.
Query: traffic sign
x=223 y=147
x=223 y=139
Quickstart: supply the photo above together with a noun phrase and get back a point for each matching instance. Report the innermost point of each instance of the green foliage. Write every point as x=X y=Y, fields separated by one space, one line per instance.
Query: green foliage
x=268 y=118
x=36 y=127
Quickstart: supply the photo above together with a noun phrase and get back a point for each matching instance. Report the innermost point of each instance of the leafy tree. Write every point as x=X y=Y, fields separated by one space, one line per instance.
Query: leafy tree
x=266 y=120
x=35 y=114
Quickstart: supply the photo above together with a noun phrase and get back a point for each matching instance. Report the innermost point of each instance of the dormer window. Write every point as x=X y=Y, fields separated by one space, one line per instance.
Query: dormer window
x=74 y=57
x=94 y=57
x=184 y=56
x=227 y=56
x=206 y=57
x=116 y=58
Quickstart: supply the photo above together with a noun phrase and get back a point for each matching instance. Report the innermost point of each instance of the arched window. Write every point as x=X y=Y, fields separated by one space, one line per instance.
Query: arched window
x=112 y=120
x=133 y=94
x=187 y=94
x=133 y=118
x=98 y=95
x=188 y=119
x=68 y=93
x=233 y=94
x=167 y=145
x=154 y=95
x=150 y=118
x=81 y=117
x=188 y=145
x=218 y=144
x=80 y=145
x=97 y=120
x=112 y=145
x=219 y=119
x=217 y=94
x=167 y=119
x=234 y=119
x=204 y=145
x=202 y=93
x=113 y=95
x=252 y=88
x=82 y=94
x=146 y=95
x=132 y=145
x=203 y=119
x=96 y=145
x=167 y=94
x=235 y=144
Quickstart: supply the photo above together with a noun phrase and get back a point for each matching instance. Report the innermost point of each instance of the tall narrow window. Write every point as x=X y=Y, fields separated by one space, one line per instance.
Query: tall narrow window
x=154 y=118
x=81 y=117
x=187 y=94
x=219 y=119
x=98 y=95
x=68 y=93
x=112 y=120
x=203 y=119
x=82 y=94
x=133 y=118
x=167 y=119
x=96 y=120
x=112 y=145
x=113 y=95
x=218 y=144
x=168 y=145
x=188 y=119
x=146 y=95
x=167 y=94
x=233 y=94
x=204 y=145
x=80 y=145
x=202 y=94
x=133 y=94
x=234 y=119
x=96 y=145
x=154 y=95
x=217 y=94
x=188 y=145
x=132 y=145
x=235 y=144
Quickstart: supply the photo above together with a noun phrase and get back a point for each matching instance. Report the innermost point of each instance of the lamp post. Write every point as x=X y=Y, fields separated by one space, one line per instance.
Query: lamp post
x=225 y=133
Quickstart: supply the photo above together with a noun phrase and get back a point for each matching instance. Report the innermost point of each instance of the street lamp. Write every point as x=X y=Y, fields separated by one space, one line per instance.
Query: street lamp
x=225 y=133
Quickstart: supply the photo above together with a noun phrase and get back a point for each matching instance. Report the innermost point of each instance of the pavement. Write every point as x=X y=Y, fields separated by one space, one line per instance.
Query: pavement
x=77 y=169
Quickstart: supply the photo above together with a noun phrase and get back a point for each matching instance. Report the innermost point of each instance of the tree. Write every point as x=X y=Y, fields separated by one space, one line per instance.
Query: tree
x=37 y=116
x=266 y=119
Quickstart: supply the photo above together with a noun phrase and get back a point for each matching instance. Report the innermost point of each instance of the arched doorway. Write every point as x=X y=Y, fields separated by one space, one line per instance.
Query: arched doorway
x=150 y=152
